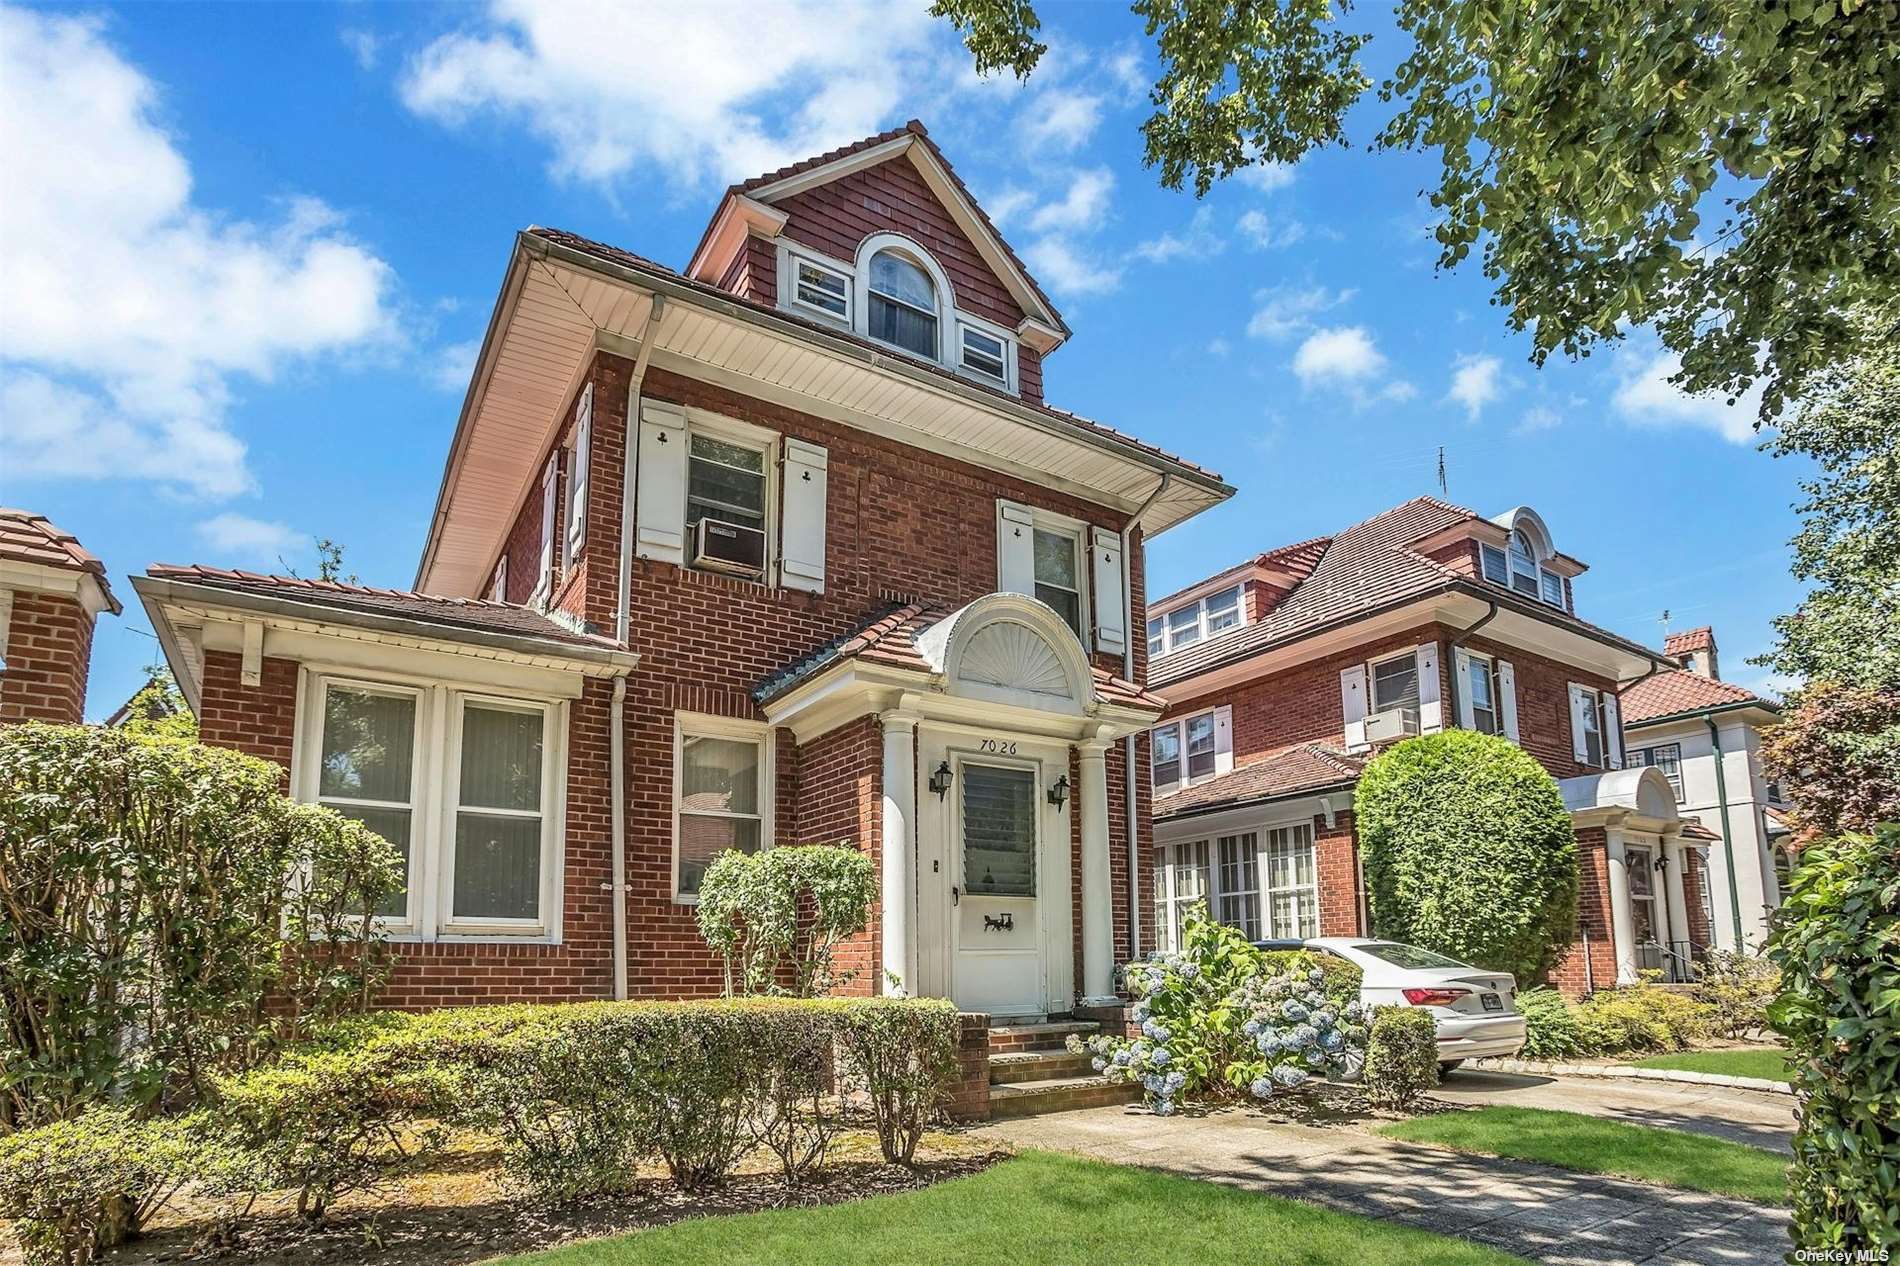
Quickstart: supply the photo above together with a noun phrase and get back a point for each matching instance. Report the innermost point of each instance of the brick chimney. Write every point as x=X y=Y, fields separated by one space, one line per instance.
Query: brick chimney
x=51 y=593
x=1695 y=648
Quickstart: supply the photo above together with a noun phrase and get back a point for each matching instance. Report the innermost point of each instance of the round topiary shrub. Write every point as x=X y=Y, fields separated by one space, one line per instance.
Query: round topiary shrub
x=1468 y=851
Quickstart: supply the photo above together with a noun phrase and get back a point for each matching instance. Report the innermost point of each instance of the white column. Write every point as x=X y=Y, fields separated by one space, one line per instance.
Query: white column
x=1675 y=896
x=1098 y=902
x=1622 y=930
x=898 y=900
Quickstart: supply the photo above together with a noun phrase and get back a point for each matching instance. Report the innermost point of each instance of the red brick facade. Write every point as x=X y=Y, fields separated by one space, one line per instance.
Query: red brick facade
x=49 y=646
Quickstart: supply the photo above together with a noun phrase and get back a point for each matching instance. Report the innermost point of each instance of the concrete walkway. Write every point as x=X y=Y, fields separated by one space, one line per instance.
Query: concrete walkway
x=1547 y=1215
x=1741 y=1116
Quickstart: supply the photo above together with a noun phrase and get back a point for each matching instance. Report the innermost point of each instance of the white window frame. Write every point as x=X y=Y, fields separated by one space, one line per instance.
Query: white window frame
x=1267 y=889
x=1180 y=726
x=1167 y=898
x=434 y=789
x=1409 y=656
x=1248 y=844
x=1635 y=756
x=498 y=584
x=909 y=251
x=1200 y=607
x=967 y=324
x=1590 y=724
x=1167 y=866
x=1078 y=532
x=580 y=443
x=1477 y=661
x=793 y=261
x=744 y=434
x=419 y=799
x=706 y=725
x=544 y=575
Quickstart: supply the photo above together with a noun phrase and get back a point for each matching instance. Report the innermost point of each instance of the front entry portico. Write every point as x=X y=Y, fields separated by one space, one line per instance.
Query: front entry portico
x=1644 y=863
x=994 y=836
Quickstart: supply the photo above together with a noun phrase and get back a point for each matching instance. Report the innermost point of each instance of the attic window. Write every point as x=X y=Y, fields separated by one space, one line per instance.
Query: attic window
x=822 y=288
x=983 y=354
x=903 y=306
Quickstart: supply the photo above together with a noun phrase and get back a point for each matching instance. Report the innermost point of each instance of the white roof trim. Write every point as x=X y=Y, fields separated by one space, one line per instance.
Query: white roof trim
x=1639 y=796
x=738 y=216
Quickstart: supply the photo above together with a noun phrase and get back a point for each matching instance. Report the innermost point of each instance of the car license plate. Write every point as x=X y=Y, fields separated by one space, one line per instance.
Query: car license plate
x=1491 y=1002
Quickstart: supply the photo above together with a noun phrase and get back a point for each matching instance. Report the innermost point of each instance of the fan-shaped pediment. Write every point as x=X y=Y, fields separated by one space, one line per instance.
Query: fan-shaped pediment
x=1015 y=657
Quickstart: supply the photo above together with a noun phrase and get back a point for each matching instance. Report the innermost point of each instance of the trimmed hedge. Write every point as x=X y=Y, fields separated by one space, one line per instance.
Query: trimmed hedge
x=1468 y=851
x=1401 y=1057
x=1837 y=941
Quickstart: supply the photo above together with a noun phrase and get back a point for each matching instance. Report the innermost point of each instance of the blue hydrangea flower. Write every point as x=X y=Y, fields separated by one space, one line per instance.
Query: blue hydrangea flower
x=1174 y=1081
x=1292 y=1010
x=1289 y=1076
x=1261 y=1088
x=1331 y=1040
x=1316 y=976
x=1098 y=1064
x=1160 y=1057
x=1250 y=1028
x=1165 y=1108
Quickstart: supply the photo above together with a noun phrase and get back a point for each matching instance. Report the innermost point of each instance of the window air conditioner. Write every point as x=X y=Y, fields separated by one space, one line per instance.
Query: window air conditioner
x=1393 y=723
x=729 y=547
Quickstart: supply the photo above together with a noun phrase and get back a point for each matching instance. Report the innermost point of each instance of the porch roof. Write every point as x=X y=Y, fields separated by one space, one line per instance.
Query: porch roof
x=1298 y=771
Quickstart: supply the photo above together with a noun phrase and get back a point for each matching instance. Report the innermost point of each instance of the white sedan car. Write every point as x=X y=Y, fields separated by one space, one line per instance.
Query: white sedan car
x=1475 y=1010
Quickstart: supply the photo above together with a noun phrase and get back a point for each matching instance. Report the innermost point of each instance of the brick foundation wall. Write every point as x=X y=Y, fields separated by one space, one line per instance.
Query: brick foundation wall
x=970 y=1098
x=48 y=652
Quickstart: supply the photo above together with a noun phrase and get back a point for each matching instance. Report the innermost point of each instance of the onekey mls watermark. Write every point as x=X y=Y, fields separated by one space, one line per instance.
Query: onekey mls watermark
x=1842 y=1255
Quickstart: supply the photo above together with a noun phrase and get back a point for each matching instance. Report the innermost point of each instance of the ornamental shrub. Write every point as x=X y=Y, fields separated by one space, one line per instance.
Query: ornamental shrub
x=779 y=916
x=153 y=893
x=1468 y=851
x=1638 y=1019
x=75 y=1186
x=1401 y=1057
x=1218 y=1016
x=1551 y=1030
x=1736 y=989
x=902 y=1055
x=1836 y=939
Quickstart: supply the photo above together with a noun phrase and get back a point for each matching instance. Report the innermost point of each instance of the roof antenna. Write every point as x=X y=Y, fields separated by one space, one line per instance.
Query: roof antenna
x=1665 y=623
x=1443 y=490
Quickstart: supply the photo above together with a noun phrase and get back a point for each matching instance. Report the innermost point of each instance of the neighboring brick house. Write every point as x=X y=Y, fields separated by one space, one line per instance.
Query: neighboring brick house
x=782 y=549
x=51 y=593
x=1284 y=674
x=1705 y=735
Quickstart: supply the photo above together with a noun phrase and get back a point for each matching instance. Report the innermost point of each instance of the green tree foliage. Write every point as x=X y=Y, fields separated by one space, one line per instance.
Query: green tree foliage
x=1468 y=851
x=777 y=918
x=1837 y=942
x=1836 y=753
x=159 y=710
x=153 y=894
x=1582 y=145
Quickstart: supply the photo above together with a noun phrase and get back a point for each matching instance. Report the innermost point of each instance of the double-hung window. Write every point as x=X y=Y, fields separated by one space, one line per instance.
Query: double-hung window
x=463 y=784
x=1395 y=688
x=722 y=790
x=1239 y=906
x=1292 y=882
x=1185 y=752
x=1059 y=574
x=1188 y=624
x=725 y=480
x=1521 y=569
x=825 y=289
x=1666 y=757
x=1590 y=720
x=1182 y=881
x=1486 y=717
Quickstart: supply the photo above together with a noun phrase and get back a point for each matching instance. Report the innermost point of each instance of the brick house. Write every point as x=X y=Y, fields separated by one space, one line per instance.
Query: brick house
x=1705 y=735
x=52 y=592
x=782 y=548
x=1284 y=674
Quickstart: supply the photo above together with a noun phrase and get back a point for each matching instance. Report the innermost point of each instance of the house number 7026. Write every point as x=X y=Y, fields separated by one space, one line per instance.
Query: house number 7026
x=1001 y=747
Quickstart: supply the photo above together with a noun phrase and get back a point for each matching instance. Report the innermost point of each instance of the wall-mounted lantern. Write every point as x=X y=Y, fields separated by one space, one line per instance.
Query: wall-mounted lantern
x=1059 y=792
x=940 y=780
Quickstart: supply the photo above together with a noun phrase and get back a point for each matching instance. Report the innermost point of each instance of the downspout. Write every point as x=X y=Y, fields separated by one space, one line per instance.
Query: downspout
x=1728 y=844
x=1457 y=643
x=1128 y=762
x=617 y=786
x=629 y=464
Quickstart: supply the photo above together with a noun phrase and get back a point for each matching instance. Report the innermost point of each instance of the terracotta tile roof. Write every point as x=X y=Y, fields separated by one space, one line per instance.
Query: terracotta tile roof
x=1676 y=645
x=614 y=255
x=889 y=637
x=1678 y=691
x=1369 y=566
x=1296 y=771
x=476 y=614
x=1299 y=558
x=26 y=537
x=1693 y=830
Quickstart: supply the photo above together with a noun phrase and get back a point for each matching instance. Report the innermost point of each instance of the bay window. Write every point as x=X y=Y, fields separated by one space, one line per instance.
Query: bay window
x=1263 y=883
x=721 y=795
x=462 y=784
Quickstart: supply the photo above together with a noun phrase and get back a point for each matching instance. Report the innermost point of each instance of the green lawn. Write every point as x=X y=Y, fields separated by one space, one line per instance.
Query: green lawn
x=1768 y=1062
x=1599 y=1146
x=1038 y=1207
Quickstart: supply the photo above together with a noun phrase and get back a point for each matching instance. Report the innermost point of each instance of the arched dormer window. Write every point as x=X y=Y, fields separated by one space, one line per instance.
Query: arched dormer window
x=1524 y=564
x=903 y=304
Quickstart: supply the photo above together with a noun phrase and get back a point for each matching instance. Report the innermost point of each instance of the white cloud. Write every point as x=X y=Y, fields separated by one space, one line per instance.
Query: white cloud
x=242 y=538
x=1058 y=262
x=129 y=308
x=455 y=365
x=1083 y=206
x=365 y=46
x=1341 y=355
x=1007 y=204
x=1285 y=311
x=1064 y=118
x=1645 y=397
x=1263 y=234
x=1537 y=419
x=1197 y=241
x=719 y=89
x=1266 y=177
x=1475 y=382
x=1219 y=347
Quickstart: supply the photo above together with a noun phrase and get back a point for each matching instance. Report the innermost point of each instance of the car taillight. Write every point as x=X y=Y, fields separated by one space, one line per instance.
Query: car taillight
x=1434 y=997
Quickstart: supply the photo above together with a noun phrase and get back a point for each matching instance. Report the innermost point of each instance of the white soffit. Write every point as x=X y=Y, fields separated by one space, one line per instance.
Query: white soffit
x=540 y=348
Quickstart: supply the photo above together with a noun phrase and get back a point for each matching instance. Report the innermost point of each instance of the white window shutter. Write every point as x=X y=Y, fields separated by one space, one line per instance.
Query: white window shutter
x=1223 y=739
x=579 y=479
x=1431 y=712
x=802 y=537
x=1612 y=731
x=544 y=577
x=498 y=589
x=1461 y=682
x=1015 y=548
x=1352 y=700
x=660 y=515
x=1507 y=698
x=1579 y=747
x=1111 y=605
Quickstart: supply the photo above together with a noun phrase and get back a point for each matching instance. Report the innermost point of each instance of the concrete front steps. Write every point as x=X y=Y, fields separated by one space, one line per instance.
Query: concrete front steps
x=1032 y=1071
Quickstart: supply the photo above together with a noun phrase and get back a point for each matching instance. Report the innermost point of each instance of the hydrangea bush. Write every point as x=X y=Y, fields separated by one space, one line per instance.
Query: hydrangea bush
x=1218 y=1016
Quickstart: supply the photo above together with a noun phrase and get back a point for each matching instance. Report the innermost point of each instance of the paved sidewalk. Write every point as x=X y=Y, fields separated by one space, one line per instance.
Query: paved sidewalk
x=1547 y=1215
x=1741 y=1116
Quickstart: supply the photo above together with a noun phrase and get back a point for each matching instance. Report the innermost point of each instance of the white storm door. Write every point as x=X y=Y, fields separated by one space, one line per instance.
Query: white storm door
x=1001 y=885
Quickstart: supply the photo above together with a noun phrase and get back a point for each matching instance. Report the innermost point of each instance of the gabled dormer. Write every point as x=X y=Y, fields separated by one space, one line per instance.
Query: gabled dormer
x=880 y=239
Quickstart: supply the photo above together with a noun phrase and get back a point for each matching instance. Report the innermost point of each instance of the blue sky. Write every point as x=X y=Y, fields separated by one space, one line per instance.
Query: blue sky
x=246 y=253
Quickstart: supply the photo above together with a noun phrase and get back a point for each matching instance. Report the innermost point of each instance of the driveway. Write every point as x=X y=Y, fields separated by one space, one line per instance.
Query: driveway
x=1549 y=1215
x=1742 y=1116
